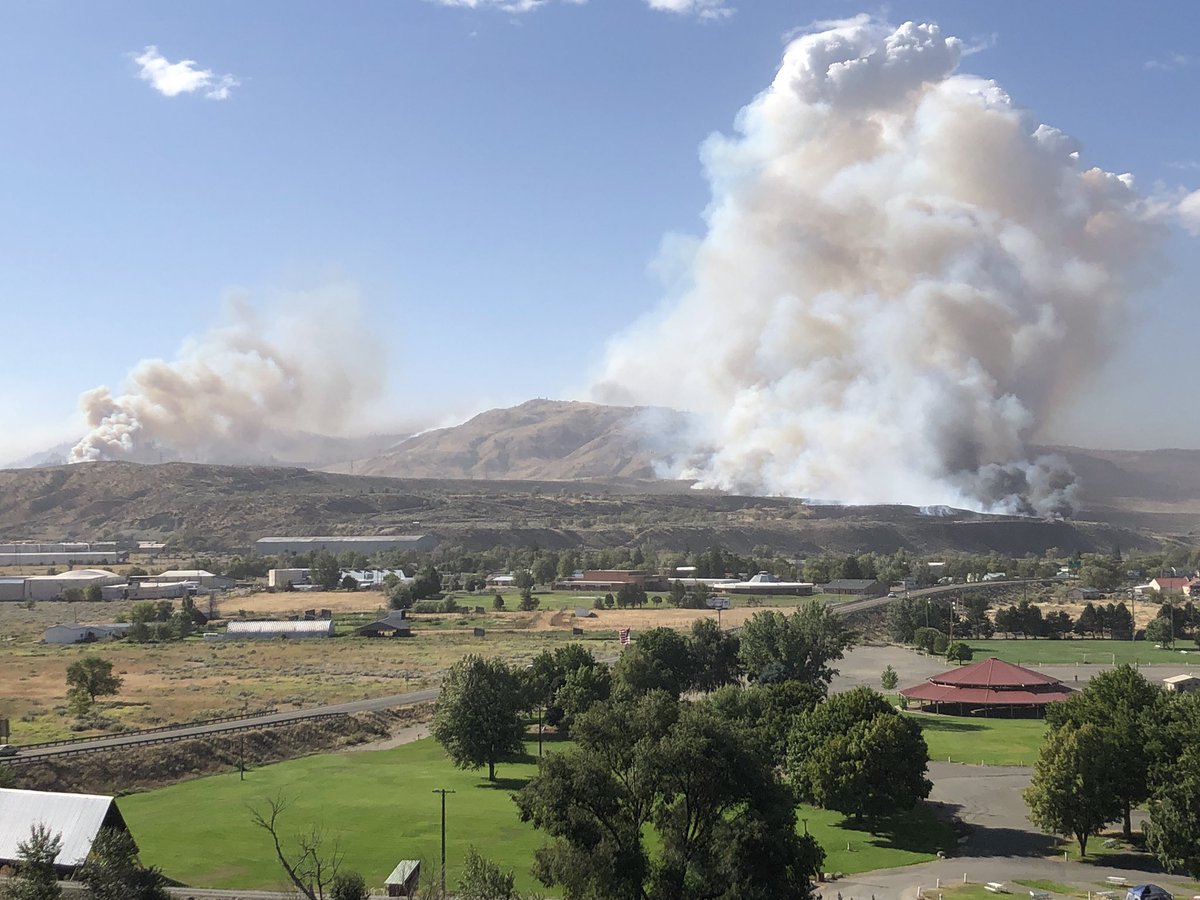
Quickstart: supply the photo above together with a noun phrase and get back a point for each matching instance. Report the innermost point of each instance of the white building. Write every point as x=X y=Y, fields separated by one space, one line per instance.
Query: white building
x=282 y=578
x=373 y=579
x=303 y=628
x=200 y=577
x=75 y=818
x=1182 y=684
x=83 y=634
x=60 y=554
x=52 y=587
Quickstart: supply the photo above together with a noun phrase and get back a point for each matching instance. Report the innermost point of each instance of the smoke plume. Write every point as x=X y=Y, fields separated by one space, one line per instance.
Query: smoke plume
x=243 y=390
x=903 y=276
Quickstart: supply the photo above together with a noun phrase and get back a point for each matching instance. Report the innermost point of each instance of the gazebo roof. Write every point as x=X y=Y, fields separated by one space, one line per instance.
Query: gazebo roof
x=990 y=682
x=993 y=673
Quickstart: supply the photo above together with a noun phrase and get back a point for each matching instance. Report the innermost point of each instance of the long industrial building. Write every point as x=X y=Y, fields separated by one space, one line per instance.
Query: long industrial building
x=337 y=544
x=62 y=553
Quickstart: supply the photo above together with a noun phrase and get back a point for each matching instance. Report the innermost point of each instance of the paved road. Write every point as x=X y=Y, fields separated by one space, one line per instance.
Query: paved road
x=189 y=731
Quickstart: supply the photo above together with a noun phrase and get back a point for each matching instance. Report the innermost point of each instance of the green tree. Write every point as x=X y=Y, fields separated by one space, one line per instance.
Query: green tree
x=1159 y=631
x=349 y=886
x=93 y=593
x=1173 y=832
x=1128 y=709
x=326 y=572
x=581 y=689
x=528 y=602
x=498 y=601
x=765 y=712
x=1072 y=790
x=724 y=825
x=523 y=579
x=36 y=878
x=483 y=879
x=659 y=660
x=91 y=677
x=112 y=870
x=478 y=718
x=959 y=652
x=800 y=646
x=714 y=654
x=889 y=679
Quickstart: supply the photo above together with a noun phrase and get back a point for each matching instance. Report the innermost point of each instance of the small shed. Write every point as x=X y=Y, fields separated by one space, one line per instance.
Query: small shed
x=405 y=878
x=1182 y=684
x=395 y=624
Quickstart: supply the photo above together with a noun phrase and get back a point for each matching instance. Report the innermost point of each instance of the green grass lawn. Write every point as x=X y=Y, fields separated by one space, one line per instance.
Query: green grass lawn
x=994 y=742
x=380 y=805
x=903 y=840
x=1084 y=651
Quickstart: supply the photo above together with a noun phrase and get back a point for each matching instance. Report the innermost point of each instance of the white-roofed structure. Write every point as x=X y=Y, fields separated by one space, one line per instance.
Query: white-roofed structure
x=200 y=577
x=51 y=587
x=76 y=817
x=1182 y=684
x=301 y=628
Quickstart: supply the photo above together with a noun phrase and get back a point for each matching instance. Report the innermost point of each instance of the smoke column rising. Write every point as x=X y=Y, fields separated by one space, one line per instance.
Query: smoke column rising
x=903 y=275
x=237 y=392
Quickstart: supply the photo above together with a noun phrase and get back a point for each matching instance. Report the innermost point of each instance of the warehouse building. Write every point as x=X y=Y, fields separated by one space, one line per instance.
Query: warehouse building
x=280 y=629
x=199 y=577
x=61 y=554
x=12 y=589
x=339 y=544
x=52 y=587
x=75 y=818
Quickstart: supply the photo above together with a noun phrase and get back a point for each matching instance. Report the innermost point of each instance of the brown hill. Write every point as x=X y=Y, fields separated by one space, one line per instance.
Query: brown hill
x=540 y=439
x=205 y=507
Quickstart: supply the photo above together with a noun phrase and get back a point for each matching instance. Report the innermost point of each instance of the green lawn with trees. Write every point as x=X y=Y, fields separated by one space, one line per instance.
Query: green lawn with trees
x=1101 y=652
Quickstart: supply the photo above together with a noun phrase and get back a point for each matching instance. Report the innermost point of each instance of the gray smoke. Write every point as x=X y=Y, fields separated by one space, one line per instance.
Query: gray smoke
x=243 y=389
x=903 y=276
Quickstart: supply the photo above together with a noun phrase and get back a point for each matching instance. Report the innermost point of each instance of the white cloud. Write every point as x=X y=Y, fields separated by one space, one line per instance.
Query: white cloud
x=183 y=77
x=509 y=6
x=1172 y=62
x=1189 y=212
x=704 y=9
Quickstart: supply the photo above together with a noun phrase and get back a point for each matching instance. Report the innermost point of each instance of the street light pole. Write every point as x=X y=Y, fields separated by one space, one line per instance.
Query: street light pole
x=443 y=792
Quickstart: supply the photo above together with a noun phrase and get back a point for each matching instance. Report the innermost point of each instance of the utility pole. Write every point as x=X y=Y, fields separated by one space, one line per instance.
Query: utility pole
x=242 y=757
x=443 y=792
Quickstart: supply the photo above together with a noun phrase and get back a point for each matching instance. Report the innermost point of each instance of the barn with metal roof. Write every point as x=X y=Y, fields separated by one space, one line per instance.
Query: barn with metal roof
x=991 y=687
x=77 y=818
x=300 y=628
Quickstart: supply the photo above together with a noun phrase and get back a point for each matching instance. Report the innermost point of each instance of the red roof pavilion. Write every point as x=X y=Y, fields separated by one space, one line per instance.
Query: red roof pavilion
x=989 y=684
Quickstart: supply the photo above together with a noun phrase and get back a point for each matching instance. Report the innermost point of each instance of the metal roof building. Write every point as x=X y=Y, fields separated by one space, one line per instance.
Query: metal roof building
x=51 y=587
x=76 y=817
x=986 y=687
x=274 y=628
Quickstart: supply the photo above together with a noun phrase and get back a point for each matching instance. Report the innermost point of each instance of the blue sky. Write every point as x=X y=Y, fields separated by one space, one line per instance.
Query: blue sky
x=495 y=185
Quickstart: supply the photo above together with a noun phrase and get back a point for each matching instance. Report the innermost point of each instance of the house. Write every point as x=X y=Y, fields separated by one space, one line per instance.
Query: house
x=76 y=818
x=1166 y=585
x=83 y=634
x=394 y=624
x=500 y=580
x=1182 y=684
x=279 y=629
x=857 y=587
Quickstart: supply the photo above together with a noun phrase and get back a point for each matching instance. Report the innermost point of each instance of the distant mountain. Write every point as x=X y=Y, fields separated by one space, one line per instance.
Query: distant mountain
x=540 y=439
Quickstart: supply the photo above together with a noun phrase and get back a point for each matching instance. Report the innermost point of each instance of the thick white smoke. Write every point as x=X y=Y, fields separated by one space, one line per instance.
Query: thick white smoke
x=903 y=276
x=243 y=389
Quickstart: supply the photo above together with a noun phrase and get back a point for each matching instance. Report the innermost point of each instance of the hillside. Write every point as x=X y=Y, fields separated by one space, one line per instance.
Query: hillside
x=540 y=439
x=228 y=507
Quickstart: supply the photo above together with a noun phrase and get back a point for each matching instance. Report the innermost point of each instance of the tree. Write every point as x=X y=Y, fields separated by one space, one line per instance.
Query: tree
x=1128 y=709
x=498 y=602
x=1072 y=790
x=93 y=593
x=855 y=753
x=483 y=879
x=659 y=660
x=960 y=652
x=350 y=886
x=889 y=679
x=478 y=718
x=800 y=646
x=311 y=867
x=765 y=712
x=523 y=579
x=112 y=870
x=714 y=656
x=36 y=877
x=1173 y=832
x=89 y=678
x=875 y=769
x=724 y=825
x=326 y=572
x=528 y=602
x=1159 y=631
x=581 y=689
